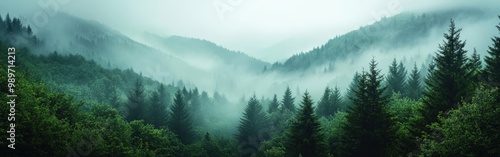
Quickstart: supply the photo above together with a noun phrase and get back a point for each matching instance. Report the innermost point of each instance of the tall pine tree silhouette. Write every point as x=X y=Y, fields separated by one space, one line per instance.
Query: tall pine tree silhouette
x=396 y=79
x=136 y=102
x=449 y=82
x=288 y=101
x=369 y=129
x=493 y=61
x=180 y=119
x=253 y=125
x=305 y=138
x=414 y=85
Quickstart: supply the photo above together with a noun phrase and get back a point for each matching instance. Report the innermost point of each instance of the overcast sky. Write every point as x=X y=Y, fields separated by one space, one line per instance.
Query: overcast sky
x=267 y=29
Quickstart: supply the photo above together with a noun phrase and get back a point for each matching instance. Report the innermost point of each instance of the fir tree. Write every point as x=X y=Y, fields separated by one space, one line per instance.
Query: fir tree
x=288 y=101
x=369 y=128
x=414 y=86
x=180 y=120
x=475 y=68
x=253 y=123
x=352 y=87
x=493 y=61
x=336 y=101
x=397 y=77
x=305 y=138
x=136 y=102
x=273 y=106
x=158 y=109
x=324 y=105
x=449 y=83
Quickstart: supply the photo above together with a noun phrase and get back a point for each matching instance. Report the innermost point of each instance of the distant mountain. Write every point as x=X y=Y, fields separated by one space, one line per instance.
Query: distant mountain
x=214 y=56
x=402 y=30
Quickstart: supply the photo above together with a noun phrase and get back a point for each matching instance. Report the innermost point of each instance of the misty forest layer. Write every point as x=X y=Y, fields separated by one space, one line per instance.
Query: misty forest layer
x=70 y=105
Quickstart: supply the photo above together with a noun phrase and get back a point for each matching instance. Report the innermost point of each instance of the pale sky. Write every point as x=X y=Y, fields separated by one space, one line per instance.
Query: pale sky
x=271 y=30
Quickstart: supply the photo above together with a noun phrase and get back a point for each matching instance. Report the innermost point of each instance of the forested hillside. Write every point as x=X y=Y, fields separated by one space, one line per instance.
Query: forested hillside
x=69 y=105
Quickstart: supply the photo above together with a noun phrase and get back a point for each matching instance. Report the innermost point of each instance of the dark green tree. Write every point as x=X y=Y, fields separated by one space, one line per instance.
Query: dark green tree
x=304 y=137
x=414 y=86
x=475 y=68
x=369 y=129
x=273 y=106
x=252 y=126
x=324 y=105
x=336 y=101
x=352 y=87
x=158 y=109
x=493 y=61
x=195 y=106
x=396 y=79
x=449 y=83
x=136 y=102
x=180 y=121
x=288 y=101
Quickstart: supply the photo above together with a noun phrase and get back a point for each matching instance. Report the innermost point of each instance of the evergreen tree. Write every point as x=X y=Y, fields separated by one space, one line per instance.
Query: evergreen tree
x=324 y=105
x=158 y=109
x=8 y=23
x=336 y=101
x=449 y=82
x=305 y=138
x=273 y=106
x=396 y=78
x=180 y=120
x=369 y=128
x=352 y=87
x=475 y=68
x=253 y=123
x=196 y=107
x=493 y=61
x=414 y=87
x=288 y=101
x=136 y=103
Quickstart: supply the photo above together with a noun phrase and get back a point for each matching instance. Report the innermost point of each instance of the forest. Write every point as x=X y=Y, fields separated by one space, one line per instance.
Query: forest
x=69 y=105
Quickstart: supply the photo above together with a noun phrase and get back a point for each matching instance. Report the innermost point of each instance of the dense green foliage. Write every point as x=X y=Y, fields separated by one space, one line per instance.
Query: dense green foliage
x=369 y=126
x=304 y=138
x=113 y=112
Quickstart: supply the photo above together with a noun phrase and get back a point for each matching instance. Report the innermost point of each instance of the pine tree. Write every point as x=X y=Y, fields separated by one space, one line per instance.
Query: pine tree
x=196 y=107
x=180 y=120
x=305 y=138
x=475 y=68
x=8 y=22
x=136 y=103
x=352 y=87
x=448 y=84
x=273 y=106
x=324 y=105
x=493 y=61
x=369 y=128
x=336 y=101
x=288 y=101
x=414 y=87
x=158 y=109
x=253 y=123
x=397 y=78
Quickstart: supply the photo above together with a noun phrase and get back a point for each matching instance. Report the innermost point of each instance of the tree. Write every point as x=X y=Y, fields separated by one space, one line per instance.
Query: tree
x=305 y=138
x=288 y=101
x=336 y=101
x=369 y=128
x=8 y=22
x=324 y=105
x=475 y=68
x=471 y=130
x=414 y=87
x=136 y=103
x=396 y=79
x=180 y=120
x=493 y=61
x=158 y=109
x=352 y=87
x=252 y=126
x=273 y=106
x=195 y=106
x=449 y=83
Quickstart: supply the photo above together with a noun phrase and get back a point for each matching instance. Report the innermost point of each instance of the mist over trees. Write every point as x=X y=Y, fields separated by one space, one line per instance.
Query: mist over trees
x=68 y=100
